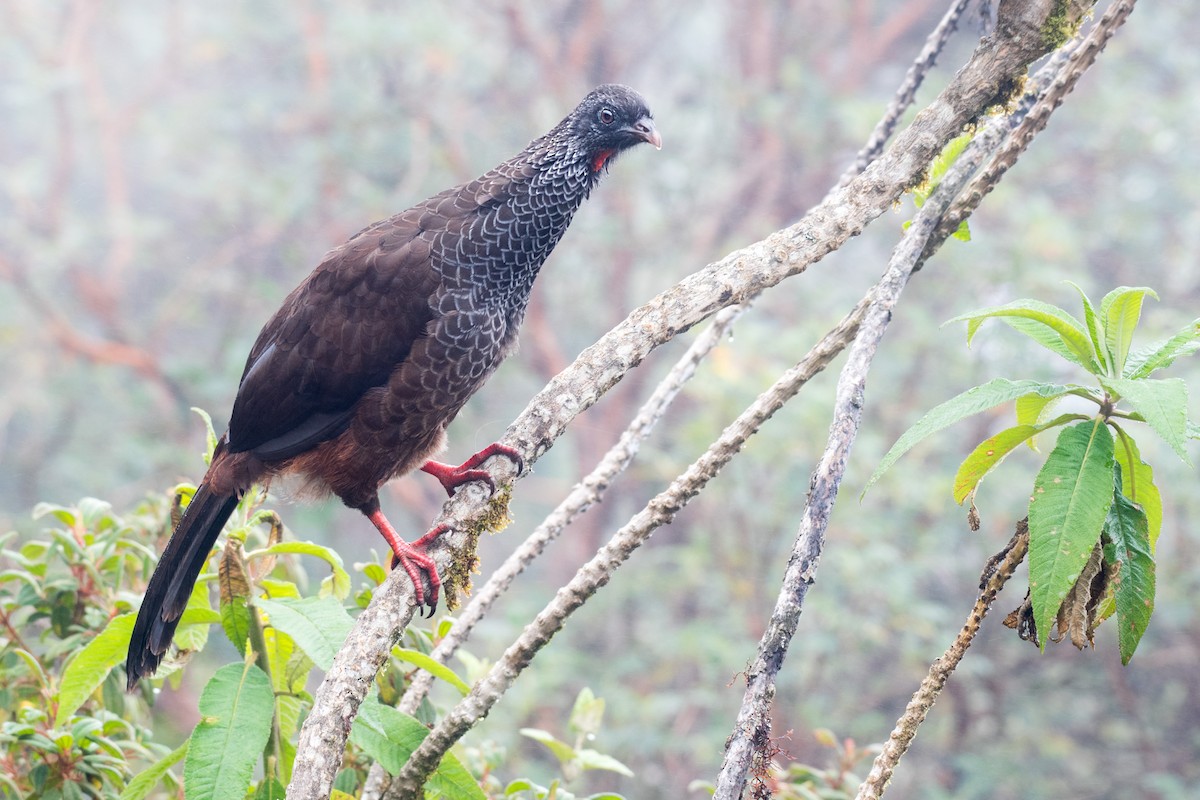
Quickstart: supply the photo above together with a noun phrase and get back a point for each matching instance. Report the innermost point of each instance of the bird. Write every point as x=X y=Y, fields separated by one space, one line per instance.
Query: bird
x=355 y=378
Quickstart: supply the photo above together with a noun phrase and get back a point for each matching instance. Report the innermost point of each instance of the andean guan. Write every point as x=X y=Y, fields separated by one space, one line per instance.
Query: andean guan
x=354 y=379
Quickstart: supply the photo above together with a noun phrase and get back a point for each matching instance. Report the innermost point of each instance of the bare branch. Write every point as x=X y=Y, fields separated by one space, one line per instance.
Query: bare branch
x=591 y=576
x=586 y=493
x=985 y=80
x=907 y=93
x=939 y=671
x=752 y=728
x=1054 y=82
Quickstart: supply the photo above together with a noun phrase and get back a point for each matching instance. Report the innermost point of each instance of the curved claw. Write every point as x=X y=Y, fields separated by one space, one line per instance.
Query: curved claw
x=413 y=558
x=451 y=477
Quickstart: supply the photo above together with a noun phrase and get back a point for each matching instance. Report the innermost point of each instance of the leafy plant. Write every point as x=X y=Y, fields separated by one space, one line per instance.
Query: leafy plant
x=1095 y=513
x=573 y=758
x=66 y=613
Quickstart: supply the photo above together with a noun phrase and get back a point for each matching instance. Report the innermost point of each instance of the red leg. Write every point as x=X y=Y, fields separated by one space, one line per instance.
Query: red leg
x=451 y=477
x=413 y=558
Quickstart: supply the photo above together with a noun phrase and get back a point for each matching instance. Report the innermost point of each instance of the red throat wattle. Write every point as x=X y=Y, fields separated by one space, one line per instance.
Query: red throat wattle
x=600 y=158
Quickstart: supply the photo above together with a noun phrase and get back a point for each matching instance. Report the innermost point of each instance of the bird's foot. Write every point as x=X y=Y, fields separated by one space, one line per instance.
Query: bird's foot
x=451 y=477
x=415 y=561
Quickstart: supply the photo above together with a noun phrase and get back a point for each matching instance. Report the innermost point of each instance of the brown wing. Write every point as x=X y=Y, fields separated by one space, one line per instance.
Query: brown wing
x=355 y=319
x=341 y=332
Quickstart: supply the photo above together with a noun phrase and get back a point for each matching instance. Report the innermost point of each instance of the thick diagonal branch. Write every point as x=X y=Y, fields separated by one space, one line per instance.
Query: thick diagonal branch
x=597 y=572
x=743 y=754
x=585 y=494
x=994 y=67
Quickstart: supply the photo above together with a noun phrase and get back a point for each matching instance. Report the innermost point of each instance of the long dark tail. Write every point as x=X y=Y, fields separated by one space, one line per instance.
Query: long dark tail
x=171 y=584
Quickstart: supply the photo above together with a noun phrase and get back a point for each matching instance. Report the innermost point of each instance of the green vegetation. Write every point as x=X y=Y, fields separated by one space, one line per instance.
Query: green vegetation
x=172 y=171
x=1095 y=513
x=67 y=730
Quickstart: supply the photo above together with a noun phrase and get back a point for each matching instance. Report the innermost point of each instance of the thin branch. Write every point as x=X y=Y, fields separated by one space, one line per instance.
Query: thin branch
x=1056 y=82
x=586 y=493
x=907 y=93
x=597 y=572
x=995 y=65
x=745 y=748
x=1005 y=564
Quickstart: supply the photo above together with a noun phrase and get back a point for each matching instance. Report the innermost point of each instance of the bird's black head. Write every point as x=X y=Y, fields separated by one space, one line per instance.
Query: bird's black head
x=610 y=119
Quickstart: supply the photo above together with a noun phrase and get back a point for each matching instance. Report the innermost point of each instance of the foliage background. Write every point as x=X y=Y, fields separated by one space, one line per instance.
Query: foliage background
x=171 y=171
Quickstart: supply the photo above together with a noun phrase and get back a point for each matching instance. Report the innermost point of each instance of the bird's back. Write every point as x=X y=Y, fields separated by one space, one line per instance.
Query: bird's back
x=398 y=327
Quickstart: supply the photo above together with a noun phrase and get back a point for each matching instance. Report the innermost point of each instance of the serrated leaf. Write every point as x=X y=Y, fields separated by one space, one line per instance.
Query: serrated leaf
x=210 y=434
x=198 y=615
x=1095 y=328
x=144 y=782
x=340 y=585
x=318 y=625
x=236 y=710
x=945 y=159
x=1128 y=548
x=562 y=751
x=88 y=668
x=1046 y=324
x=234 y=585
x=390 y=736
x=434 y=668
x=972 y=401
x=1071 y=497
x=1162 y=403
x=1137 y=480
x=1122 y=308
x=1161 y=355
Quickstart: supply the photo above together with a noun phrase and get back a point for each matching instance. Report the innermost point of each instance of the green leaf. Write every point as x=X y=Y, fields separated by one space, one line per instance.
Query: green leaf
x=587 y=714
x=1161 y=355
x=235 y=594
x=198 y=616
x=1095 y=328
x=434 y=668
x=590 y=759
x=145 y=781
x=950 y=153
x=1071 y=497
x=1032 y=410
x=271 y=789
x=390 y=736
x=987 y=455
x=210 y=434
x=1162 y=403
x=562 y=751
x=972 y=401
x=1128 y=549
x=1138 y=481
x=340 y=585
x=1122 y=308
x=236 y=710
x=1048 y=325
x=318 y=625
x=88 y=668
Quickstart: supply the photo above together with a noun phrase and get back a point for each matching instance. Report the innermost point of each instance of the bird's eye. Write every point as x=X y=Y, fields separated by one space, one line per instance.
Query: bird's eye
x=607 y=116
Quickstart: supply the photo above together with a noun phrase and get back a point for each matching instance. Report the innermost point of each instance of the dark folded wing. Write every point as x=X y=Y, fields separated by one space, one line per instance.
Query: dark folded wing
x=340 y=333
